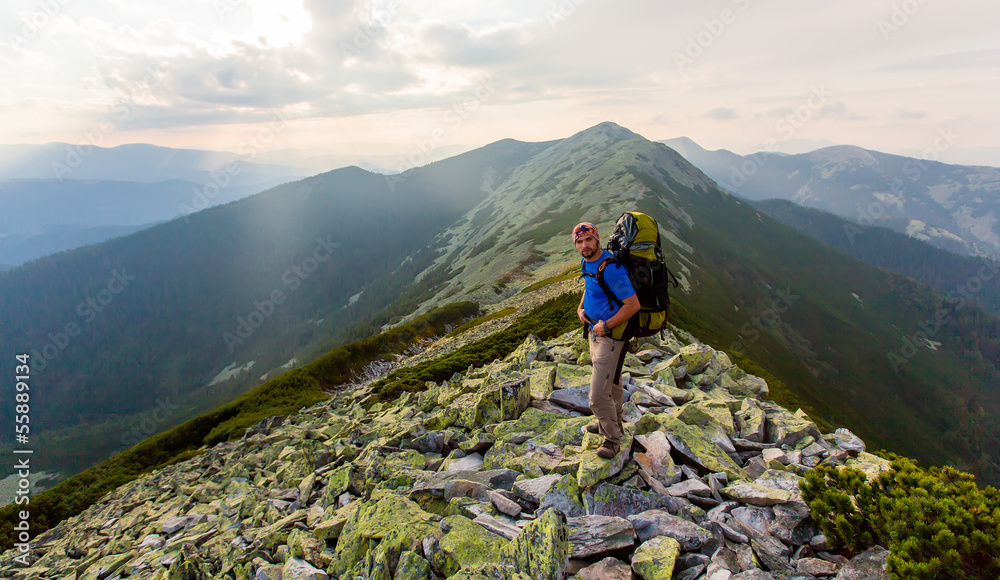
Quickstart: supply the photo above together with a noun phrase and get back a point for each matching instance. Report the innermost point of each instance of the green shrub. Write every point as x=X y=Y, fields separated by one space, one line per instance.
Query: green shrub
x=936 y=523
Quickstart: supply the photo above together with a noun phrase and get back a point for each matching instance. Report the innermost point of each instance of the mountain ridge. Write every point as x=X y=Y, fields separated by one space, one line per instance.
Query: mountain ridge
x=828 y=356
x=951 y=206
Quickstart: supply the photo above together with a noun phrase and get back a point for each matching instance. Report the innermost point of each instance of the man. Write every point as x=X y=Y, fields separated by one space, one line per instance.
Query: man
x=600 y=316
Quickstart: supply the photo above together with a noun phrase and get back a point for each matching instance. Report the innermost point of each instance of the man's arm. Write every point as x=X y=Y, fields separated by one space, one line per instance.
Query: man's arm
x=579 y=311
x=629 y=307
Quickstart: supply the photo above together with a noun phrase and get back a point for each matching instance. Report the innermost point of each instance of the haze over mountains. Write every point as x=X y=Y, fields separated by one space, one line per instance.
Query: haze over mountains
x=59 y=196
x=216 y=302
x=954 y=207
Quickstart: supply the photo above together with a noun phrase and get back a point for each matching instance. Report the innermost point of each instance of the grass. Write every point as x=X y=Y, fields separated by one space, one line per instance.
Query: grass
x=569 y=274
x=476 y=322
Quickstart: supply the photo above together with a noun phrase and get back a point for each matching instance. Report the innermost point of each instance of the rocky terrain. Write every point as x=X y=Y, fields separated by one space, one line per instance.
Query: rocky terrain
x=490 y=474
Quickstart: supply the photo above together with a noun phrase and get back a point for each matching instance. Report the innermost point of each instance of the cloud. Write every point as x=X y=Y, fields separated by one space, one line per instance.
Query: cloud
x=722 y=114
x=908 y=115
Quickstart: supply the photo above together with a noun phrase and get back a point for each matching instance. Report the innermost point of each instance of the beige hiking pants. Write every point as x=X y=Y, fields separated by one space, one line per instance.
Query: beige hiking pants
x=606 y=392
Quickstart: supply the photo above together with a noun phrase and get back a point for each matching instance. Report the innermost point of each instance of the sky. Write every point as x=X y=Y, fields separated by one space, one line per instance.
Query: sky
x=393 y=80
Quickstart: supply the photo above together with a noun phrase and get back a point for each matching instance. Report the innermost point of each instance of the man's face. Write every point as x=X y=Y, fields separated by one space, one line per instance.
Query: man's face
x=587 y=246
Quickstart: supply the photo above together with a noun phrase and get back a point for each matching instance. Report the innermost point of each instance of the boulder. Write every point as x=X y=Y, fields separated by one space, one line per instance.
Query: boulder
x=593 y=469
x=594 y=535
x=697 y=445
x=412 y=566
x=574 y=398
x=653 y=523
x=541 y=550
x=750 y=421
x=708 y=412
x=564 y=496
x=868 y=565
x=535 y=489
x=607 y=569
x=655 y=559
x=613 y=500
x=465 y=544
x=296 y=569
x=784 y=428
x=753 y=494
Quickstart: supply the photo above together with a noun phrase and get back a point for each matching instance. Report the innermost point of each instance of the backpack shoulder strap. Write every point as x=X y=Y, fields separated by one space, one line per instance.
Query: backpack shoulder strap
x=612 y=299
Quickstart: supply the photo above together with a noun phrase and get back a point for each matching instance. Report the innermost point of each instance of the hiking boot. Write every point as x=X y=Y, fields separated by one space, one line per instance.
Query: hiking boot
x=594 y=427
x=607 y=450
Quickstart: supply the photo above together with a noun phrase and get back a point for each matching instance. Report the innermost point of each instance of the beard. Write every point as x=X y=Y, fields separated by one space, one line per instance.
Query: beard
x=588 y=253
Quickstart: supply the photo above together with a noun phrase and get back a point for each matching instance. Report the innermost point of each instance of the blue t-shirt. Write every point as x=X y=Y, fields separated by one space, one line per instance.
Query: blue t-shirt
x=595 y=301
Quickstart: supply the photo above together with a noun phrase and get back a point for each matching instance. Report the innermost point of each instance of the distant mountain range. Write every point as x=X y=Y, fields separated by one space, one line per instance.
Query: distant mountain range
x=59 y=196
x=240 y=291
x=953 y=207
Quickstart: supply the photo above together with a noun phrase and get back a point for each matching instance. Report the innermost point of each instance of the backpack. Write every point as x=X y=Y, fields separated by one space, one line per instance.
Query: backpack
x=635 y=244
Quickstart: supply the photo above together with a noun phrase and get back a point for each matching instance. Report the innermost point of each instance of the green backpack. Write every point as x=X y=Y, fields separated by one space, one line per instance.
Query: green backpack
x=635 y=244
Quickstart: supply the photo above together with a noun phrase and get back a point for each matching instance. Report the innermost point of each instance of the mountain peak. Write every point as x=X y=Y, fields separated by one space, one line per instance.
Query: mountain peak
x=607 y=130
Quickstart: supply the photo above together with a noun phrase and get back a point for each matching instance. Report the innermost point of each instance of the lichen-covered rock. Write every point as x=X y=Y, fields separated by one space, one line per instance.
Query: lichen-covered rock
x=563 y=495
x=542 y=381
x=753 y=494
x=708 y=412
x=387 y=512
x=870 y=465
x=655 y=559
x=750 y=421
x=465 y=544
x=594 y=469
x=696 y=443
x=784 y=428
x=412 y=566
x=541 y=550
x=613 y=500
x=525 y=353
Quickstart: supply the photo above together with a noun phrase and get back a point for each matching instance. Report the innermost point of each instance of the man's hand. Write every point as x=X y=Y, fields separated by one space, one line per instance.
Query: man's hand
x=581 y=315
x=599 y=328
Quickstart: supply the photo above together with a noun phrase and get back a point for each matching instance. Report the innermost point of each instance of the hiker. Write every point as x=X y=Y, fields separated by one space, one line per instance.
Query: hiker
x=601 y=318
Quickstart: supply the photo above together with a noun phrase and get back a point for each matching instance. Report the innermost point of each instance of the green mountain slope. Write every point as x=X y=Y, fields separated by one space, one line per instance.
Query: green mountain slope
x=838 y=336
x=161 y=318
x=942 y=270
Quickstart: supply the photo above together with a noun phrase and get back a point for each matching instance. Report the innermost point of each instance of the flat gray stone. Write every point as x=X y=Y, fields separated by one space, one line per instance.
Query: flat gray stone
x=504 y=504
x=653 y=523
x=498 y=527
x=470 y=462
x=593 y=535
x=535 y=489
x=574 y=398
x=816 y=567
x=464 y=488
x=433 y=483
x=607 y=569
x=868 y=565
x=690 y=487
